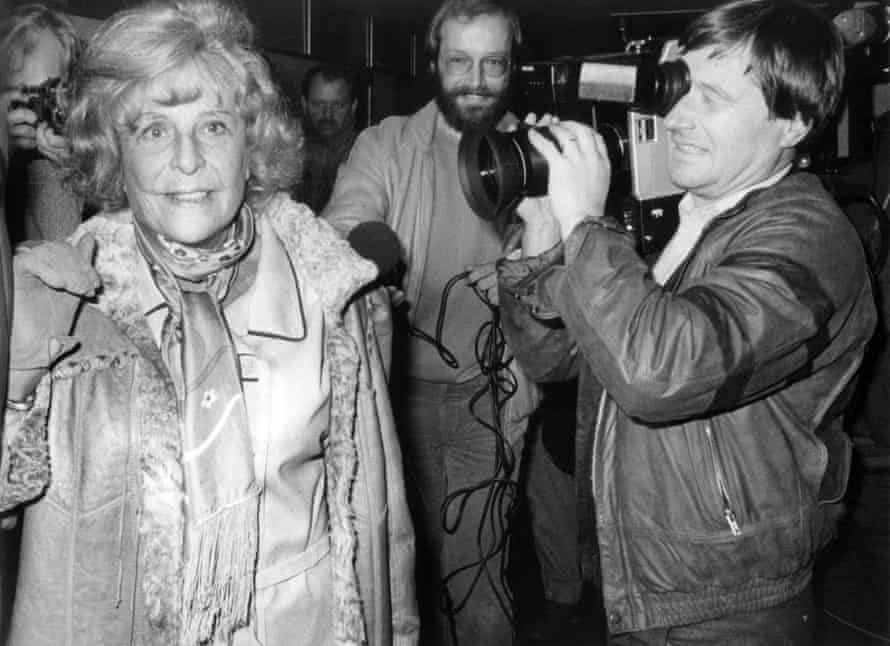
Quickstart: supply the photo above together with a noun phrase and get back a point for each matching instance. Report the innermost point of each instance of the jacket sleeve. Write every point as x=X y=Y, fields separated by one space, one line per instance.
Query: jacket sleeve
x=537 y=337
x=360 y=193
x=24 y=465
x=749 y=326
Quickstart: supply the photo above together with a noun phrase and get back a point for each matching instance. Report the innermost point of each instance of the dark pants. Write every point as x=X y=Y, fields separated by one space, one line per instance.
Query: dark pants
x=447 y=451
x=788 y=624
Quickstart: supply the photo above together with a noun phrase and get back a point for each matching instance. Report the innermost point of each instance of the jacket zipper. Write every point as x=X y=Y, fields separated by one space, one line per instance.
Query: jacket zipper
x=600 y=412
x=728 y=512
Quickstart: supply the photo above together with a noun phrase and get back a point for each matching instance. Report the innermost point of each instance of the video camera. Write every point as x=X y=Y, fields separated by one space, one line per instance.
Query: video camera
x=49 y=101
x=624 y=96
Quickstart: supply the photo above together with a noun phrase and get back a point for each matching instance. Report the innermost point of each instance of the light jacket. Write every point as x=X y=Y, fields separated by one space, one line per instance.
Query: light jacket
x=718 y=447
x=96 y=462
x=389 y=177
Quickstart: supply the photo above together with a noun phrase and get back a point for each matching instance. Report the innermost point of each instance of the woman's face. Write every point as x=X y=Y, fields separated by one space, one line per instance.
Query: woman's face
x=184 y=156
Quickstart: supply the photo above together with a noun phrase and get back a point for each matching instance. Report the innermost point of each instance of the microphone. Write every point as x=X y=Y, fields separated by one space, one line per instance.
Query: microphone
x=378 y=243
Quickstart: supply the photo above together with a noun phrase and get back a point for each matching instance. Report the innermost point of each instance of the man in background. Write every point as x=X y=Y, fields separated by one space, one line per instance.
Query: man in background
x=329 y=105
x=462 y=404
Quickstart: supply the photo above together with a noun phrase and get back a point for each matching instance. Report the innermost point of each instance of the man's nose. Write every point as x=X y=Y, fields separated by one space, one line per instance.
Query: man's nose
x=478 y=75
x=679 y=116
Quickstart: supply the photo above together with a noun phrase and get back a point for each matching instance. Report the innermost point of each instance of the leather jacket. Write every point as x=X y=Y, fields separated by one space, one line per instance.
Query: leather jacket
x=717 y=449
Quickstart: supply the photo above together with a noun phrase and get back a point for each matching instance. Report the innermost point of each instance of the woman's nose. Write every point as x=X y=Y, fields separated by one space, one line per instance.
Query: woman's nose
x=188 y=157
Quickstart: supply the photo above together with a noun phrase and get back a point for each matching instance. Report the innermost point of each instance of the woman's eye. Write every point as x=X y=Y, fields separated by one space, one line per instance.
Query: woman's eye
x=153 y=131
x=216 y=127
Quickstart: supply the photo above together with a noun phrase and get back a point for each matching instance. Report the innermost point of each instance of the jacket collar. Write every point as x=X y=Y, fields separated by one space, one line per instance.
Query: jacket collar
x=316 y=252
x=273 y=304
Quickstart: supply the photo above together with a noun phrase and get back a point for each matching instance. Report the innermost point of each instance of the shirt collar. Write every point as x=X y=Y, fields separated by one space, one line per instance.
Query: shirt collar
x=713 y=209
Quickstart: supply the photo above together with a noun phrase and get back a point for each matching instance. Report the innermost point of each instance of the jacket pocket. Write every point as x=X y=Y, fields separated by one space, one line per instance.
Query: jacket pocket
x=91 y=435
x=727 y=502
x=94 y=466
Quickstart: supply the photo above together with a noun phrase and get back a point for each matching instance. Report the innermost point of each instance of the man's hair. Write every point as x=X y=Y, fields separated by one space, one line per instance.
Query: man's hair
x=466 y=10
x=19 y=32
x=330 y=74
x=134 y=47
x=796 y=53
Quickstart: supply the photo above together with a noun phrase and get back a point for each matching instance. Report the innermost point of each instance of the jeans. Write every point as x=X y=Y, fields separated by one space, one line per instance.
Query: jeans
x=448 y=453
x=788 y=624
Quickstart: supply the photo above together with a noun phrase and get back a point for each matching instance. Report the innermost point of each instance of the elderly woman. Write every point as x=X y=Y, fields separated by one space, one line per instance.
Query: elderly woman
x=215 y=461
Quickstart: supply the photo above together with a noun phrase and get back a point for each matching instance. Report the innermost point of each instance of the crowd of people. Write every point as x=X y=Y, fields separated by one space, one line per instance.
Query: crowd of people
x=224 y=426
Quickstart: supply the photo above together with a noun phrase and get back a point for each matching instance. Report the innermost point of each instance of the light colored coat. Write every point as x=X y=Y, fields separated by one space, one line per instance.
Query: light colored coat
x=97 y=462
x=390 y=177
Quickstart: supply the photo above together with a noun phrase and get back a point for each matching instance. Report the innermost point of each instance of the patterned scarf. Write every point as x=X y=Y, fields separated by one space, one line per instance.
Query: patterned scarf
x=217 y=457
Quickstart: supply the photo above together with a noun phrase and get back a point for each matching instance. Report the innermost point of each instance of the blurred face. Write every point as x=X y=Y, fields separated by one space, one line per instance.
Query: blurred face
x=473 y=69
x=184 y=156
x=328 y=107
x=722 y=138
x=45 y=60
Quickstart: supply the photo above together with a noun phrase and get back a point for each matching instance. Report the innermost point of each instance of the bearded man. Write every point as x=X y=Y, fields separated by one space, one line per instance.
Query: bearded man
x=462 y=404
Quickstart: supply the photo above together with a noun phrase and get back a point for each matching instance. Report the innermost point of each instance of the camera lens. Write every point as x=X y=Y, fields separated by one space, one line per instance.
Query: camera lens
x=498 y=169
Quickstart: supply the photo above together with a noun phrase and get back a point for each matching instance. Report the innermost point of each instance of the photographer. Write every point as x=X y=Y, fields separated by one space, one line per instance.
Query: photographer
x=39 y=47
x=719 y=459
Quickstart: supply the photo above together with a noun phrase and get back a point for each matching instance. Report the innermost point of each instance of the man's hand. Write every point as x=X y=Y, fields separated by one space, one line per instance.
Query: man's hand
x=484 y=281
x=579 y=175
x=50 y=278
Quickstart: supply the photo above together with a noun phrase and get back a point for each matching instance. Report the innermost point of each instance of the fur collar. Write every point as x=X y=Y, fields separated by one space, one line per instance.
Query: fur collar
x=324 y=260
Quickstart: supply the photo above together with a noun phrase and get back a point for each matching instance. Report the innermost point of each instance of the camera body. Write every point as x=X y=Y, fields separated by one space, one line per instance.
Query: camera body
x=624 y=96
x=49 y=101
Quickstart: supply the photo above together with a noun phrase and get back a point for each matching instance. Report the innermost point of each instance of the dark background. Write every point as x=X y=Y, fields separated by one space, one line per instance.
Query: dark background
x=384 y=38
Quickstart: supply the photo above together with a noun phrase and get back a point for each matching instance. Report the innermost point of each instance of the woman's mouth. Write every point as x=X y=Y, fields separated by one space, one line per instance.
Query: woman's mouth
x=189 y=196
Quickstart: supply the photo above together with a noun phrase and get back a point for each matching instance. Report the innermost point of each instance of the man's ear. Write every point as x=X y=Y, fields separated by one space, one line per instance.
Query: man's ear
x=795 y=131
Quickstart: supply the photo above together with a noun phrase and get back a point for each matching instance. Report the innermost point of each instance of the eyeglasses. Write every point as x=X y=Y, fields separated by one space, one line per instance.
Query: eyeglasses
x=493 y=66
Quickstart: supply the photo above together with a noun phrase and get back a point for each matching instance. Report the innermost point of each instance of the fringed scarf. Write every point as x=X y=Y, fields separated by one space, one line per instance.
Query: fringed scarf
x=222 y=495
x=326 y=260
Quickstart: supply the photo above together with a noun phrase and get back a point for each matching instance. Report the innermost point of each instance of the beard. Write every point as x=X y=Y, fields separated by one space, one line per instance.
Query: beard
x=474 y=118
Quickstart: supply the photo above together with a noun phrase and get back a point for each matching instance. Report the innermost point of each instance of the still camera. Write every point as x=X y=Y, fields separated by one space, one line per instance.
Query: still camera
x=48 y=101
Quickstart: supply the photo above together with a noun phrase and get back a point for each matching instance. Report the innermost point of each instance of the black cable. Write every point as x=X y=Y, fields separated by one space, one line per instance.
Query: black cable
x=500 y=490
x=436 y=341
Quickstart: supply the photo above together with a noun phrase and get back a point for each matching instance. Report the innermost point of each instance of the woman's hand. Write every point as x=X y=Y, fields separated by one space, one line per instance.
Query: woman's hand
x=51 y=145
x=51 y=279
x=21 y=121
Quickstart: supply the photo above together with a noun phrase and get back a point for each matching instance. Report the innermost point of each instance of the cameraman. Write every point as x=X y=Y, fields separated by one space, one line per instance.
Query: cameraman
x=719 y=460
x=38 y=45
